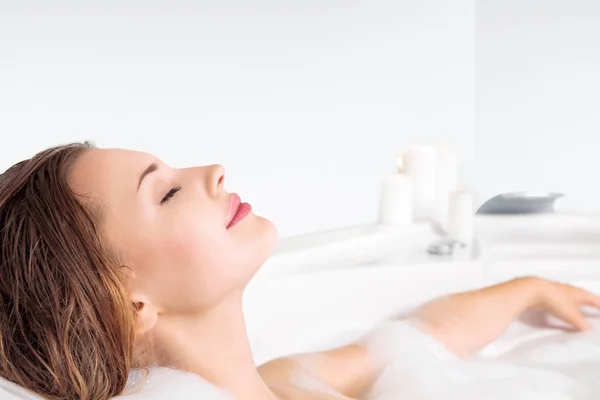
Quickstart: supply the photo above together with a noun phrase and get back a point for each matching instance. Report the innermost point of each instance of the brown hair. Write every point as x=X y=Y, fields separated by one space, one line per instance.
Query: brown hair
x=66 y=322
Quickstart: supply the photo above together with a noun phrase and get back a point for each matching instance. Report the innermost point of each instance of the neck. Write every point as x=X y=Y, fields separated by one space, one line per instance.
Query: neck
x=215 y=346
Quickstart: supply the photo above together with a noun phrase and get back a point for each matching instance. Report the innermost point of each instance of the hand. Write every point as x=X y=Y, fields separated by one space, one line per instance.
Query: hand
x=467 y=322
x=564 y=301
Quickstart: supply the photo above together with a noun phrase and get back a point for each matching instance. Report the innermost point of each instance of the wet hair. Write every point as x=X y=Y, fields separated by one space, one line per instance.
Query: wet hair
x=66 y=321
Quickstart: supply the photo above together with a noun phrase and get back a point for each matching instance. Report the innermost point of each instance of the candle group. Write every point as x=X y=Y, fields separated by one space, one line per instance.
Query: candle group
x=425 y=188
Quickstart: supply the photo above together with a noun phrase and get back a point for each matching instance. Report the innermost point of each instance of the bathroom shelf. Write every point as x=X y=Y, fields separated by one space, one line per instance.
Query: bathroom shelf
x=358 y=247
x=560 y=237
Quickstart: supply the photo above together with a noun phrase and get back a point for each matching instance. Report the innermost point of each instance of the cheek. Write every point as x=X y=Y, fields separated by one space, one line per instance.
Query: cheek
x=196 y=250
x=178 y=264
x=193 y=240
x=203 y=266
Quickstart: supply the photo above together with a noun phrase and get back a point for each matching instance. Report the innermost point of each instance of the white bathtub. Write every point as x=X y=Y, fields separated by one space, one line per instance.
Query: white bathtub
x=315 y=311
x=303 y=303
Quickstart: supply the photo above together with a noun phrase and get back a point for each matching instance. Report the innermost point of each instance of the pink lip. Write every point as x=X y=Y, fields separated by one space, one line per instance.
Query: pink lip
x=237 y=210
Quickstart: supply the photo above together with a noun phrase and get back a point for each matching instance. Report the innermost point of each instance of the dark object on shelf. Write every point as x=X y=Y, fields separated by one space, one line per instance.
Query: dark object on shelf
x=520 y=203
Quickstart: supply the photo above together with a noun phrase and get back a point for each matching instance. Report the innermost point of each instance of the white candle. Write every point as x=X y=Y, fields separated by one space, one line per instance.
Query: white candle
x=419 y=163
x=396 y=198
x=461 y=217
x=446 y=181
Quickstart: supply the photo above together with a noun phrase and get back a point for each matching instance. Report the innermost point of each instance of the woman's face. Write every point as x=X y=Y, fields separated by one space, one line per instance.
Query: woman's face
x=173 y=228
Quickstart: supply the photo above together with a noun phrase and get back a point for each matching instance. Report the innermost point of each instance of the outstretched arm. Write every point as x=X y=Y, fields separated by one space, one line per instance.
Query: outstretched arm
x=463 y=322
x=467 y=322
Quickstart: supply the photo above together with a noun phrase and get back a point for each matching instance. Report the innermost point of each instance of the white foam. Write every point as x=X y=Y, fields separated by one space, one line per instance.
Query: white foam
x=527 y=363
x=163 y=383
x=553 y=366
x=151 y=384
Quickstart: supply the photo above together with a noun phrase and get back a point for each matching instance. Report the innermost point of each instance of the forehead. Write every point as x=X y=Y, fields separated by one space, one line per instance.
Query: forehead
x=103 y=174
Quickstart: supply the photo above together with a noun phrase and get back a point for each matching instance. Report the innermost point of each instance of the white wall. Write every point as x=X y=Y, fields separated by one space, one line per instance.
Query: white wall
x=538 y=98
x=305 y=102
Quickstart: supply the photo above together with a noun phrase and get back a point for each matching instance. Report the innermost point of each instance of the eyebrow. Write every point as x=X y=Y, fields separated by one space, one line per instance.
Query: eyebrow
x=150 y=169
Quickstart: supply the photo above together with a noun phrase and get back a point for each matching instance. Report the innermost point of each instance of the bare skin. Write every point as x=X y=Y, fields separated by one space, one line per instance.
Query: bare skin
x=189 y=269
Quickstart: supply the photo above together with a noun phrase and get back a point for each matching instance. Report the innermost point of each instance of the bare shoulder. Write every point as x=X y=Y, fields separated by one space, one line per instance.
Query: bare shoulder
x=279 y=376
x=347 y=370
x=278 y=371
x=296 y=393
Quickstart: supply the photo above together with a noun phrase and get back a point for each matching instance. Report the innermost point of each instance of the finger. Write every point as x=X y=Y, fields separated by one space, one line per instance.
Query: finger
x=577 y=319
x=572 y=315
x=595 y=300
x=591 y=299
x=582 y=296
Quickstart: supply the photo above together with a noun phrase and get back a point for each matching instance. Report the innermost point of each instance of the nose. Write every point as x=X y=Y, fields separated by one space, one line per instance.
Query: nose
x=215 y=178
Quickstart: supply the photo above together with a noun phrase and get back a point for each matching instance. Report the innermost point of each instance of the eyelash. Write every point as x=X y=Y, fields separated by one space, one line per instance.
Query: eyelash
x=170 y=194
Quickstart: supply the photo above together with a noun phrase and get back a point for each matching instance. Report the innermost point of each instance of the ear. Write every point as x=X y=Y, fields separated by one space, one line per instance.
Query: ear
x=146 y=314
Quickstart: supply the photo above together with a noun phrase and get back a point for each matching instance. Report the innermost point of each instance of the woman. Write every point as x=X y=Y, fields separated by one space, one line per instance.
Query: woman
x=110 y=260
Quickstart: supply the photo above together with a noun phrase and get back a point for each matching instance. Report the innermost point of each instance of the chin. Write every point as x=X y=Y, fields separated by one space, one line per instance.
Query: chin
x=269 y=236
x=262 y=238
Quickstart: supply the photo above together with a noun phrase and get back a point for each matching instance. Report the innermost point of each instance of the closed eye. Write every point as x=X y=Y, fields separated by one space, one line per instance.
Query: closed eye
x=170 y=194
